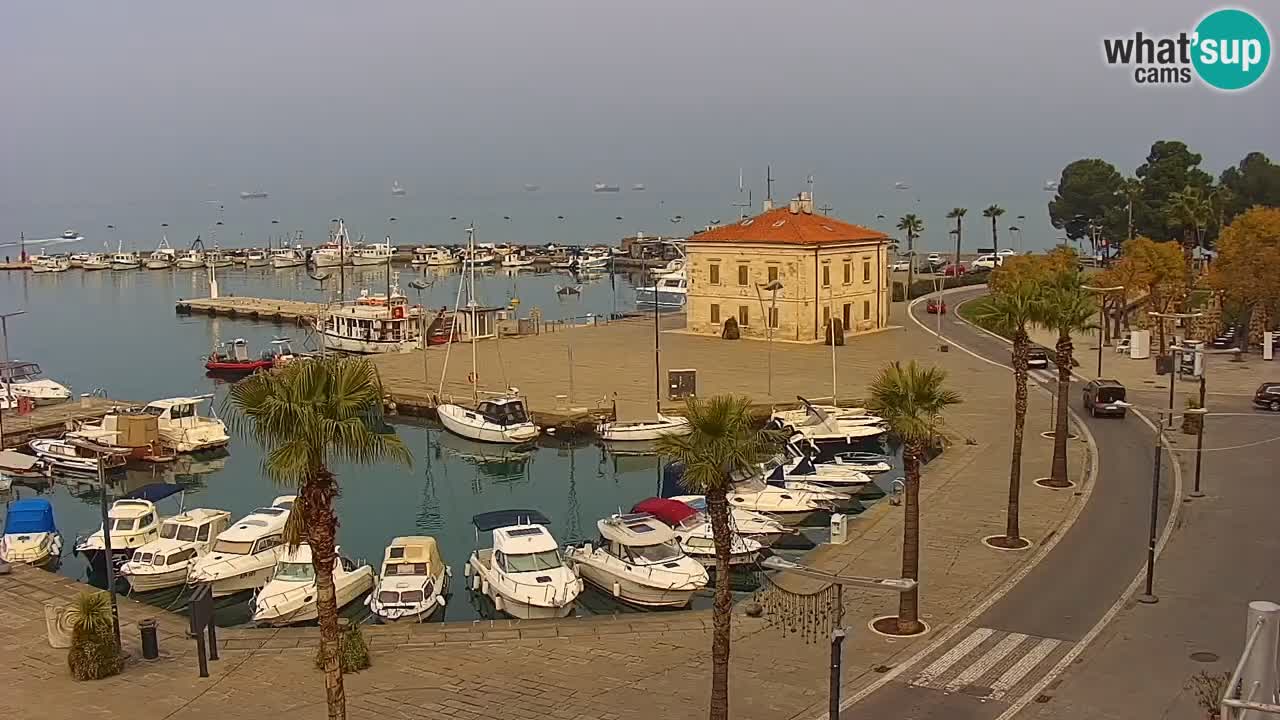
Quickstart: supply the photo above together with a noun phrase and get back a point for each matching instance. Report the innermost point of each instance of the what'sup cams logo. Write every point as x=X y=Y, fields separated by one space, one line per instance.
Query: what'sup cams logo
x=1228 y=50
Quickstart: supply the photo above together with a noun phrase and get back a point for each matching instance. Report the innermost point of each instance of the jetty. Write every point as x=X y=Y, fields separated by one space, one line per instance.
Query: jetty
x=54 y=420
x=298 y=312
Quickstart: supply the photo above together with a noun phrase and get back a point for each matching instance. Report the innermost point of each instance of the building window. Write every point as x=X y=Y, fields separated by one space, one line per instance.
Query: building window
x=866 y=271
x=866 y=309
x=848 y=314
x=742 y=315
x=773 y=273
x=826 y=275
x=715 y=314
x=773 y=317
x=714 y=274
x=742 y=274
x=826 y=316
x=848 y=272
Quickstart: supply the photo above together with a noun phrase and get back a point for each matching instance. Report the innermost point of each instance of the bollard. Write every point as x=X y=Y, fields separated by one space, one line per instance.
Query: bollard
x=150 y=642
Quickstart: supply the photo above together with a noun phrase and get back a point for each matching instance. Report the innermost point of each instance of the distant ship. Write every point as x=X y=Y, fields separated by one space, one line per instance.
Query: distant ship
x=603 y=187
x=638 y=186
x=396 y=189
x=255 y=195
x=531 y=187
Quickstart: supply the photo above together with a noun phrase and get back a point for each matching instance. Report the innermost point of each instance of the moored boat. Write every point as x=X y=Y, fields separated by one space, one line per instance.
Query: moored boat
x=232 y=359
x=638 y=560
x=166 y=561
x=65 y=456
x=183 y=429
x=693 y=530
x=413 y=582
x=244 y=555
x=133 y=521
x=22 y=379
x=30 y=534
x=523 y=573
x=372 y=324
x=290 y=596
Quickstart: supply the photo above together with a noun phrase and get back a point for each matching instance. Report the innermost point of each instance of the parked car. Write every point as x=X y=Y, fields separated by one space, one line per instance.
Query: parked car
x=1006 y=252
x=900 y=266
x=1104 y=397
x=1037 y=359
x=989 y=262
x=936 y=307
x=1268 y=396
x=954 y=270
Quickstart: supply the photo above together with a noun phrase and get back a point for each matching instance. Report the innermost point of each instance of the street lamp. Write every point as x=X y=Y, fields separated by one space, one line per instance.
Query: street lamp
x=98 y=452
x=773 y=287
x=1102 y=316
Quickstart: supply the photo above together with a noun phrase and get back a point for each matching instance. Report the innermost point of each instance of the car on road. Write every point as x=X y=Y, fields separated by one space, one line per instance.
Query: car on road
x=1105 y=397
x=900 y=266
x=988 y=262
x=1037 y=359
x=1005 y=252
x=1268 y=396
x=936 y=307
x=954 y=270
x=934 y=259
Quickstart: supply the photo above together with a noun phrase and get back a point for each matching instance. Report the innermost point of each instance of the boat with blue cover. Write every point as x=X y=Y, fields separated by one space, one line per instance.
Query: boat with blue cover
x=30 y=534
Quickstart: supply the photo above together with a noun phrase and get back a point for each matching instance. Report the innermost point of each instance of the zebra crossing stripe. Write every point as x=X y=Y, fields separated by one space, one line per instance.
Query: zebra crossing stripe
x=1025 y=664
x=951 y=657
x=984 y=664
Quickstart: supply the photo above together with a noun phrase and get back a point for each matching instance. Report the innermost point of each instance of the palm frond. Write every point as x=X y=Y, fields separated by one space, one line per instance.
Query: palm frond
x=911 y=399
x=724 y=439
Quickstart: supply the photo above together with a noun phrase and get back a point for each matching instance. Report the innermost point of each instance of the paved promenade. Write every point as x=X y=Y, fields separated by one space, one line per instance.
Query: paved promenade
x=646 y=666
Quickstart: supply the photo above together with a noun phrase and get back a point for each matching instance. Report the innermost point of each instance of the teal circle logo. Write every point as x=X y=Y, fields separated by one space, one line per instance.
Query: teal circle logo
x=1231 y=49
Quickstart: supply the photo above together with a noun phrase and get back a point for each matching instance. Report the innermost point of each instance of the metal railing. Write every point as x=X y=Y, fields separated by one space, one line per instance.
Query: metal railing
x=1255 y=676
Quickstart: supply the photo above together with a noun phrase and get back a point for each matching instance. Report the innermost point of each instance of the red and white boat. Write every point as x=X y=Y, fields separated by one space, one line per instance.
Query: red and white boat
x=233 y=359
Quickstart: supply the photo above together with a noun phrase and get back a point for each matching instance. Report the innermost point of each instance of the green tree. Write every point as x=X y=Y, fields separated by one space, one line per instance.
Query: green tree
x=1170 y=167
x=912 y=226
x=911 y=400
x=958 y=214
x=993 y=212
x=1254 y=181
x=724 y=440
x=1089 y=190
x=1010 y=311
x=304 y=416
x=1066 y=307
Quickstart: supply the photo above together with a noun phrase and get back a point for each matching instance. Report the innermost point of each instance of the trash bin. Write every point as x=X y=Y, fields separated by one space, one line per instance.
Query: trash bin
x=839 y=529
x=150 y=642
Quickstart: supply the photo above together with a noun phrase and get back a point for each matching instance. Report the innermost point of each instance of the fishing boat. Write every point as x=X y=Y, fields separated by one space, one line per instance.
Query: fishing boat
x=217 y=259
x=50 y=264
x=433 y=257
x=95 y=261
x=19 y=379
x=133 y=521
x=183 y=429
x=373 y=324
x=163 y=257
x=523 y=573
x=256 y=258
x=30 y=534
x=166 y=561
x=373 y=253
x=77 y=259
x=232 y=359
x=190 y=260
x=638 y=560
x=478 y=257
x=291 y=594
x=121 y=260
x=670 y=290
x=65 y=456
x=413 y=583
x=244 y=555
x=516 y=259
x=288 y=257
x=693 y=531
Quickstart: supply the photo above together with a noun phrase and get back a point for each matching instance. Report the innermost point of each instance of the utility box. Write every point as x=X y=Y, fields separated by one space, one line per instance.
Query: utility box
x=1164 y=364
x=1268 y=345
x=839 y=528
x=1191 y=359
x=1140 y=344
x=682 y=384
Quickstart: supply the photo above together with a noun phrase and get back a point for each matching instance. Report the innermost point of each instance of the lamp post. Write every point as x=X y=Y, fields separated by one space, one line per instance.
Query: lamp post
x=4 y=358
x=108 y=562
x=773 y=287
x=1102 y=315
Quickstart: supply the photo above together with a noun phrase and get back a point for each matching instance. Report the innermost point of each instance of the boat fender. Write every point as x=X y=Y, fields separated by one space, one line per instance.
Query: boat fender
x=466 y=570
x=475 y=582
x=484 y=586
x=497 y=603
x=617 y=589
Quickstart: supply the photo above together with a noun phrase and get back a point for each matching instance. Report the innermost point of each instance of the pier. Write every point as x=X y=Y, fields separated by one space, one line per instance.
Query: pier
x=268 y=309
x=54 y=420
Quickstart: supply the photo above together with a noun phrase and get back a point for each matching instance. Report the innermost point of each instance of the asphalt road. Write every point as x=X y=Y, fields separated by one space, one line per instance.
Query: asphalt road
x=1021 y=636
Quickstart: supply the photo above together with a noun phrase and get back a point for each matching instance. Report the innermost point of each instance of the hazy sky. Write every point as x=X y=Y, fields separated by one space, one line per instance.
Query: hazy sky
x=130 y=108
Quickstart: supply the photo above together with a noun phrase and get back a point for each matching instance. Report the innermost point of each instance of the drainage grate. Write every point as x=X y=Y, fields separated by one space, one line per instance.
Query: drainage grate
x=1204 y=656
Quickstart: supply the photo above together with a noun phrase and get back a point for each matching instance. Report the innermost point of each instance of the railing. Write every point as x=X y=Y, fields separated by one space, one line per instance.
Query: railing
x=1241 y=697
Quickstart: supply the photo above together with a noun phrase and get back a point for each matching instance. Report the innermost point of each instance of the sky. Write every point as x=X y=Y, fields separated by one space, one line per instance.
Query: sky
x=137 y=113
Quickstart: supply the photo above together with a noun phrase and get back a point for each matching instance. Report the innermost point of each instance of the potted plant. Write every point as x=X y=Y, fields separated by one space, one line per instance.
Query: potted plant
x=94 y=653
x=1209 y=689
x=1192 y=422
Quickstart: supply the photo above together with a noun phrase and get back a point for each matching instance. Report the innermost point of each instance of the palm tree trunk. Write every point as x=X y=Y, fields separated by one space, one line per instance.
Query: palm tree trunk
x=995 y=238
x=909 y=602
x=911 y=267
x=957 y=259
x=1020 y=341
x=321 y=528
x=722 y=609
x=1058 y=473
x=1188 y=244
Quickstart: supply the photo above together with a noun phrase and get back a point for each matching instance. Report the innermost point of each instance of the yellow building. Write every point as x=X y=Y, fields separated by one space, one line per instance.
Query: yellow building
x=818 y=268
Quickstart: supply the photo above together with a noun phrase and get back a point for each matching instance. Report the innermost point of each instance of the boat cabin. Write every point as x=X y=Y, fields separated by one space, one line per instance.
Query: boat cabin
x=184 y=534
x=639 y=539
x=17 y=371
x=503 y=411
x=177 y=412
x=374 y=318
x=477 y=323
x=409 y=565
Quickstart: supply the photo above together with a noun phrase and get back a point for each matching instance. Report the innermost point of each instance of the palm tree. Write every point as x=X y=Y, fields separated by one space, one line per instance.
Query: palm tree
x=1193 y=211
x=912 y=226
x=725 y=439
x=958 y=214
x=911 y=399
x=1131 y=189
x=994 y=212
x=1009 y=312
x=305 y=415
x=1065 y=306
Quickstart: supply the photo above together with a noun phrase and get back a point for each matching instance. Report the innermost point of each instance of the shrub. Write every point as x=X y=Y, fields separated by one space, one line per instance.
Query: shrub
x=1209 y=689
x=353 y=651
x=93 y=654
x=1192 y=422
x=920 y=288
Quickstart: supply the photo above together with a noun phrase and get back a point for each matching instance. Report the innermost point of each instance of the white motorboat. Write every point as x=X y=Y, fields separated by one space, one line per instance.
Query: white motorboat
x=477 y=257
x=673 y=265
x=670 y=290
x=373 y=253
x=190 y=260
x=291 y=594
x=523 y=573
x=30 y=534
x=166 y=561
x=125 y=261
x=516 y=260
x=789 y=507
x=77 y=259
x=71 y=235
x=640 y=430
x=638 y=560
x=134 y=521
x=217 y=259
x=256 y=258
x=183 y=429
x=413 y=582
x=397 y=189
x=21 y=379
x=243 y=555
x=786 y=418
x=800 y=467
x=500 y=419
x=95 y=261
x=749 y=524
x=64 y=456
x=820 y=427
x=163 y=257
x=50 y=264
x=287 y=258
x=693 y=531
x=433 y=257
x=373 y=325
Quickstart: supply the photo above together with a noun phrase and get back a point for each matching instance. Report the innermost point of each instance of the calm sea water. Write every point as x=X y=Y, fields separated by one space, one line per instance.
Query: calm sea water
x=117 y=331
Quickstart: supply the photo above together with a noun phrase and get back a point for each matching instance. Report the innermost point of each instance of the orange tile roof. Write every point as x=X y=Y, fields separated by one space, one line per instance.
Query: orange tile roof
x=780 y=227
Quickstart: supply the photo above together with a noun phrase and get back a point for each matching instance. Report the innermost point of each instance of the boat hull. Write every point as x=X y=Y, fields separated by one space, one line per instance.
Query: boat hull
x=146 y=582
x=644 y=296
x=368 y=347
x=280 y=263
x=251 y=579
x=189 y=264
x=632 y=592
x=642 y=431
x=455 y=419
x=158 y=264
x=347 y=590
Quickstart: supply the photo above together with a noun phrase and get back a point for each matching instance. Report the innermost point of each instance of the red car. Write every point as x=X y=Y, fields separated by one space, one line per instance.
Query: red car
x=954 y=270
x=935 y=307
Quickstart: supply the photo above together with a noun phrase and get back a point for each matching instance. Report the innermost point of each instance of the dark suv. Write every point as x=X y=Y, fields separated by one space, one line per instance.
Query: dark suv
x=1268 y=396
x=1105 y=397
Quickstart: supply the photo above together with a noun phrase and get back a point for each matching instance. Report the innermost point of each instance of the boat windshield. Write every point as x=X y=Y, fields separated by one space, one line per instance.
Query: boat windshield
x=170 y=531
x=232 y=547
x=533 y=562
x=295 y=572
x=648 y=554
x=123 y=524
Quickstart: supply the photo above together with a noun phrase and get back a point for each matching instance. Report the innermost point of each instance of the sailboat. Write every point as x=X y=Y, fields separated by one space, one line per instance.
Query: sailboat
x=640 y=430
x=501 y=417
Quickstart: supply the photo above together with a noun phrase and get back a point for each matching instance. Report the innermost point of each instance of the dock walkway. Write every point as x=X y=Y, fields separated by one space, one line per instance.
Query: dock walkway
x=269 y=309
x=53 y=420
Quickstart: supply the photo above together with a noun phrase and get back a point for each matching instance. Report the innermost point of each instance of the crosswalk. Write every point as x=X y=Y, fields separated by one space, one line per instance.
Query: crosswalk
x=1048 y=377
x=991 y=664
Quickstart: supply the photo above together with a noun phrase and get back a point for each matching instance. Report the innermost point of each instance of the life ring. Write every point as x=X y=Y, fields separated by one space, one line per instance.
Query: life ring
x=471 y=378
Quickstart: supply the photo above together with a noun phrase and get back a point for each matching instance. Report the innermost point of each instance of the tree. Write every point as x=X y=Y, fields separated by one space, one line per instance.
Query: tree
x=912 y=226
x=725 y=439
x=1064 y=306
x=994 y=212
x=94 y=653
x=958 y=214
x=303 y=416
x=1089 y=190
x=911 y=399
x=1157 y=271
x=1170 y=167
x=1009 y=312
x=1192 y=210
x=1034 y=269
x=1247 y=269
x=1254 y=181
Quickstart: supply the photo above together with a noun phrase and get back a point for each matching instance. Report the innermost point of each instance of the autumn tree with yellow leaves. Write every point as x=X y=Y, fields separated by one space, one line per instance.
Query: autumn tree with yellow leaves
x=1247 y=269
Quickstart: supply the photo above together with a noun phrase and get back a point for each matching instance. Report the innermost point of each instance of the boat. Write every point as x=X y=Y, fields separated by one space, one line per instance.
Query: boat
x=523 y=573
x=530 y=187
x=397 y=190
x=14 y=464
x=674 y=265
x=232 y=359
x=500 y=419
x=183 y=429
x=646 y=430
x=217 y=259
x=801 y=467
x=256 y=258
x=163 y=257
x=373 y=253
x=786 y=418
x=95 y=261
x=243 y=555
x=820 y=427
x=77 y=259
x=516 y=259
x=639 y=561
x=190 y=260
x=134 y=522
x=477 y=258
x=693 y=531
x=593 y=262
x=372 y=324
x=130 y=433
x=121 y=260
x=71 y=235
x=605 y=188
x=413 y=582
x=166 y=561
x=19 y=379
x=757 y=526
x=288 y=257
x=789 y=507
x=65 y=456
x=30 y=534
x=291 y=594
x=433 y=257
x=637 y=186
x=50 y=264
x=253 y=195
x=670 y=290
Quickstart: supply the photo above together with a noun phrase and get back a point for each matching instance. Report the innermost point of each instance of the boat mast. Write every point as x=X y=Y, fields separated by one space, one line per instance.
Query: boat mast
x=657 y=354
x=471 y=308
x=342 y=261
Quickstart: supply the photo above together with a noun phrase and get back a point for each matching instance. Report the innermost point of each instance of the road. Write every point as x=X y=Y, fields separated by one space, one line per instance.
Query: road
x=993 y=662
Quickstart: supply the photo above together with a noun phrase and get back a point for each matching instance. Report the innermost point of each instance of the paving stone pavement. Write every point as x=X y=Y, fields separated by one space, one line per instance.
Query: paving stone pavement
x=621 y=668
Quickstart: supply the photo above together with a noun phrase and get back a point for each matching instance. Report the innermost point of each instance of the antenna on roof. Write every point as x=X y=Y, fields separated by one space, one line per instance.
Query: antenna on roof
x=826 y=209
x=768 y=184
